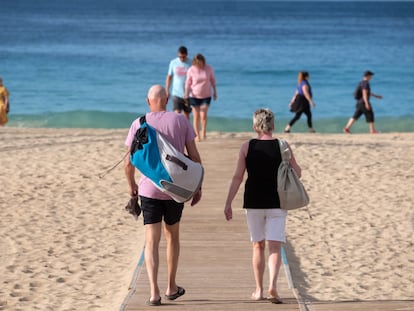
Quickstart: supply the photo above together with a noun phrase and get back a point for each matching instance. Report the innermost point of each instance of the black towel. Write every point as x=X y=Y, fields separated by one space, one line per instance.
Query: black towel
x=133 y=207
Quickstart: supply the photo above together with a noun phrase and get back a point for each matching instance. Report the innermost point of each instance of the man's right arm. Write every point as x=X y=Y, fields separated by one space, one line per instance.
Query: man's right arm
x=130 y=176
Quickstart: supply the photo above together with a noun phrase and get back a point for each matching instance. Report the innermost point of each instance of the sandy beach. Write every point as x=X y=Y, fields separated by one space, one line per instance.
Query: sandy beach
x=67 y=243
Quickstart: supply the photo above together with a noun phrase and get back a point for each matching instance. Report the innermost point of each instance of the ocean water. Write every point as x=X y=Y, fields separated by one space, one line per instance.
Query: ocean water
x=89 y=64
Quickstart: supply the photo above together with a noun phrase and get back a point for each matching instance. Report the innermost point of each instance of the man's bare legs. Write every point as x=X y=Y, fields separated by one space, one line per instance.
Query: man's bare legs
x=351 y=121
x=259 y=265
x=203 y=115
x=347 y=128
x=372 y=129
x=152 y=237
x=275 y=259
x=172 y=236
x=152 y=242
x=187 y=115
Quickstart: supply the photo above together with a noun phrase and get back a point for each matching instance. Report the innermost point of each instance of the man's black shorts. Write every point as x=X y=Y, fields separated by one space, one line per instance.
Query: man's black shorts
x=180 y=104
x=361 y=110
x=154 y=211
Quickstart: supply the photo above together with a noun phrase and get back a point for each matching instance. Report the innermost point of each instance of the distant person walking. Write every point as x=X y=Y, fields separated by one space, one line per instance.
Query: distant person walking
x=4 y=103
x=199 y=85
x=266 y=221
x=177 y=74
x=363 y=105
x=301 y=102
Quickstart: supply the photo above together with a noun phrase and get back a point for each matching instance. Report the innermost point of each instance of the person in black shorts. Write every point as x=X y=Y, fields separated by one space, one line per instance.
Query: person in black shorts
x=158 y=207
x=180 y=104
x=177 y=74
x=363 y=105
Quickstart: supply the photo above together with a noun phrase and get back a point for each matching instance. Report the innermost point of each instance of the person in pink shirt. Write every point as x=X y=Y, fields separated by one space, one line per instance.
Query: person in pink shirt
x=157 y=206
x=199 y=86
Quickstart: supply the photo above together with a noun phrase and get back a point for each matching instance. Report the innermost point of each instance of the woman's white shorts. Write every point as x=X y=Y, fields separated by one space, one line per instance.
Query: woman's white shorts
x=266 y=224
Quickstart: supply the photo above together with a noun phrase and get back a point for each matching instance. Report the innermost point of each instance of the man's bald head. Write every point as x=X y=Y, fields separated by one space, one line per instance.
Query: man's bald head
x=157 y=91
x=157 y=98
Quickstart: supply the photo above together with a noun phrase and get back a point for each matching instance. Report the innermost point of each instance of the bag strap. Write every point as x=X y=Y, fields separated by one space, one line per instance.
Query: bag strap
x=177 y=161
x=140 y=137
x=285 y=153
x=168 y=157
x=143 y=119
x=284 y=150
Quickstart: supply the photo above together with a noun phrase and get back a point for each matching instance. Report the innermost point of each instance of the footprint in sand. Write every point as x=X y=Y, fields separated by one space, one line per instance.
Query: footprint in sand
x=7 y=253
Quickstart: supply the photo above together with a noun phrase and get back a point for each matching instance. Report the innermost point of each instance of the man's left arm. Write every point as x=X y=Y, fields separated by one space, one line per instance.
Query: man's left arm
x=195 y=156
x=193 y=151
x=376 y=95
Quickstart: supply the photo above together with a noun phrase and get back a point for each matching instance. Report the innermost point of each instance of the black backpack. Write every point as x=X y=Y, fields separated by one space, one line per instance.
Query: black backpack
x=358 y=92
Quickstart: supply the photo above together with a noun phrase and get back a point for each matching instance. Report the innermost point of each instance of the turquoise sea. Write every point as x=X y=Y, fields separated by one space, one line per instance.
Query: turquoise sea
x=89 y=64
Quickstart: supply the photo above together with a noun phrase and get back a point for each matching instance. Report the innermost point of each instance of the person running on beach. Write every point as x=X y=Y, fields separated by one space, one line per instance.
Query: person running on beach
x=4 y=103
x=177 y=74
x=198 y=86
x=301 y=102
x=261 y=158
x=363 y=106
x=156 y=205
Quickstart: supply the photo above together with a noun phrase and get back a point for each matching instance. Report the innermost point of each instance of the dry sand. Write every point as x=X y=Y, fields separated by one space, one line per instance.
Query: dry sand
x=67 y=243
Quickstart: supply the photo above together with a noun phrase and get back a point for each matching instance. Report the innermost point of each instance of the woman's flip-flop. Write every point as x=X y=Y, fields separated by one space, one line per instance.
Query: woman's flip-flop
x=275 y=300
x=255 y=298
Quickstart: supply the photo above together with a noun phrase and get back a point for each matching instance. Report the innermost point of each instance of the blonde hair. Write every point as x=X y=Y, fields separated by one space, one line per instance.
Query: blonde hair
x=199 y=60
x=264 y=120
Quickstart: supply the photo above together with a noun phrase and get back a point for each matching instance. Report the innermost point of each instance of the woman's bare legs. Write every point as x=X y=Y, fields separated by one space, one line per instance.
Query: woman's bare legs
x=275 y=259
x=196 y=121
x=259 y=265
x=203 y=116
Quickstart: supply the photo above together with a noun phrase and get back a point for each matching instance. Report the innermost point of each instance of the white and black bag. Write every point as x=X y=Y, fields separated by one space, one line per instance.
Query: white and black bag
x=169 y=170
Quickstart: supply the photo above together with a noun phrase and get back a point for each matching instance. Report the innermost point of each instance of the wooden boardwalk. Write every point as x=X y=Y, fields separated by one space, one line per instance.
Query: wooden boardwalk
x=215 y=261
x=214 y=268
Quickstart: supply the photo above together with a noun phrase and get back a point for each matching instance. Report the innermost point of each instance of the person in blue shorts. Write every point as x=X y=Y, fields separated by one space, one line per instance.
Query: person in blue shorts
x=177 y=74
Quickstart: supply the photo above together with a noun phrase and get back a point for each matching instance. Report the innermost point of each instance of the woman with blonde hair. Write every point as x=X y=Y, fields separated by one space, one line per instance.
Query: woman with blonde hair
x=199 y=85
x=261 y=158
x=301 y=102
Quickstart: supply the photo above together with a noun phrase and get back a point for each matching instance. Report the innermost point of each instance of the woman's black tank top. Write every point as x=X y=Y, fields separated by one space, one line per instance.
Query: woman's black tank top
x=262 y=162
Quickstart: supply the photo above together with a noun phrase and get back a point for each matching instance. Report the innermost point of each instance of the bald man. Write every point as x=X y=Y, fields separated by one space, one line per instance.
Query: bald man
x=157 y=206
